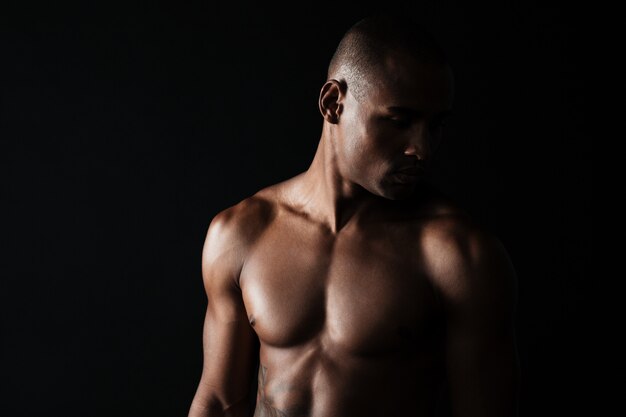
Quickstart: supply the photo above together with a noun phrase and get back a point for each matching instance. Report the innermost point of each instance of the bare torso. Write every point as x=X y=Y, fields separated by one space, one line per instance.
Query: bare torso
x=349 y=324
x=354 y=288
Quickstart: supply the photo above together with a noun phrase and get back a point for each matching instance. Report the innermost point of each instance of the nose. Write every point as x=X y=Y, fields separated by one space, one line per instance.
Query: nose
x=419 y=142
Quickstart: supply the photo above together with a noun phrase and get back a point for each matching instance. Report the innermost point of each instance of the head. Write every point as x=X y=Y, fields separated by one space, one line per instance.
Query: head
x=388 y=92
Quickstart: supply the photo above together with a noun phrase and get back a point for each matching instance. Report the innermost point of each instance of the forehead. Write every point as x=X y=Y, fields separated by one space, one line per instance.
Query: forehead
x=406 y=82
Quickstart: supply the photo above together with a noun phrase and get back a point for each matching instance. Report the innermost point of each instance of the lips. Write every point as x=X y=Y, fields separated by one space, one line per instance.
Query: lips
x=408 y=175
x=410 y=171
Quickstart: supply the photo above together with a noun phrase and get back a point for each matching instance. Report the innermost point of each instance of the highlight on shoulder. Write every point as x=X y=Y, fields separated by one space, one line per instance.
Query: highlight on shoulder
x=231 y=233
x=245 y=218
x=464 y=259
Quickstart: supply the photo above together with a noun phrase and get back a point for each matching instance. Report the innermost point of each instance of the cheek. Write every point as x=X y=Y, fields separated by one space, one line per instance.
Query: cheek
x=356 y=133
x=353 y=146
x=378 y=148
x=371 y=160
x=365 y=148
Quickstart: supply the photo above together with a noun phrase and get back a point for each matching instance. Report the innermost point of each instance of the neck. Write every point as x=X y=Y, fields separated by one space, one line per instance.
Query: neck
x=325 y=194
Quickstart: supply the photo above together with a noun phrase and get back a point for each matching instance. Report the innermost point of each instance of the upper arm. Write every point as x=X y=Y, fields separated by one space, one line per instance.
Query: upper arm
x=229 y=342
x=479 y=288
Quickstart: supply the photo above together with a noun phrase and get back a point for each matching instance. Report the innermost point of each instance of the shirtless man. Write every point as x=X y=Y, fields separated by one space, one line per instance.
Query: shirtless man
x=354 y=288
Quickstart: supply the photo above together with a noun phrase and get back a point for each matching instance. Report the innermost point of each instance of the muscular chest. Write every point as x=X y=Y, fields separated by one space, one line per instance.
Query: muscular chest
x=363 y=290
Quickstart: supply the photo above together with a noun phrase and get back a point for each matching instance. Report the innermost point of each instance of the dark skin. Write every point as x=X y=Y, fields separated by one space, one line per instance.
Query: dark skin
x=355 y=290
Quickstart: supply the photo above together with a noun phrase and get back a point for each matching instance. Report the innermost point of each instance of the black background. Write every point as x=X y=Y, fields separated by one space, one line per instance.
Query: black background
x=125 y=127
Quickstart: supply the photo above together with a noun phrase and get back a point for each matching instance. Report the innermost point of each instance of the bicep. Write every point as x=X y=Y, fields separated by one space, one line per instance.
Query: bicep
x=482 y=370
x=481 y=353
x=229 y=352
x=230 y=346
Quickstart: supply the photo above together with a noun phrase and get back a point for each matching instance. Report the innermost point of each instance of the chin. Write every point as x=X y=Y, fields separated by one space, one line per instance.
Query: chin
x=397 y=191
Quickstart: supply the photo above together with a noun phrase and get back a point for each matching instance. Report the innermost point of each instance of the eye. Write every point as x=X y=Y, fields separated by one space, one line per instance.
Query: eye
x=437 y=124
x=399 y=121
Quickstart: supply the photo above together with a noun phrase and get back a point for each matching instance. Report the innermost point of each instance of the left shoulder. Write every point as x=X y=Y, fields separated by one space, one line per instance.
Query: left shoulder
x=465 y=261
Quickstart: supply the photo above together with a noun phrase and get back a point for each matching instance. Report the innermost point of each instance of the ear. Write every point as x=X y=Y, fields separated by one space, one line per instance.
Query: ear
x=331 y=96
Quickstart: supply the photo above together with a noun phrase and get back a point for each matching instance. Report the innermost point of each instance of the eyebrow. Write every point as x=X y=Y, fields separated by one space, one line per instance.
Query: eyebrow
x=413 y=112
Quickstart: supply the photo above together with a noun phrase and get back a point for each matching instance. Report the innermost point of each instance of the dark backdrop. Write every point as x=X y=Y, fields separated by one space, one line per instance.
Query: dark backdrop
x=125 y=128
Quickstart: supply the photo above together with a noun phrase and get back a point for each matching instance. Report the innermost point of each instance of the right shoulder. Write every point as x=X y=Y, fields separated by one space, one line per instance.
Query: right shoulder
x=233 y=230
x=240 y=224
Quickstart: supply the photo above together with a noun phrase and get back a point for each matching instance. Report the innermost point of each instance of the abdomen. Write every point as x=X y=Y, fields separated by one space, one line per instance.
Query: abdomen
x=318 y=379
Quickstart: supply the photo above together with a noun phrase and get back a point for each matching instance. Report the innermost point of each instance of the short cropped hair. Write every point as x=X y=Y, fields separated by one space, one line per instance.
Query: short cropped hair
x=362 y=51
